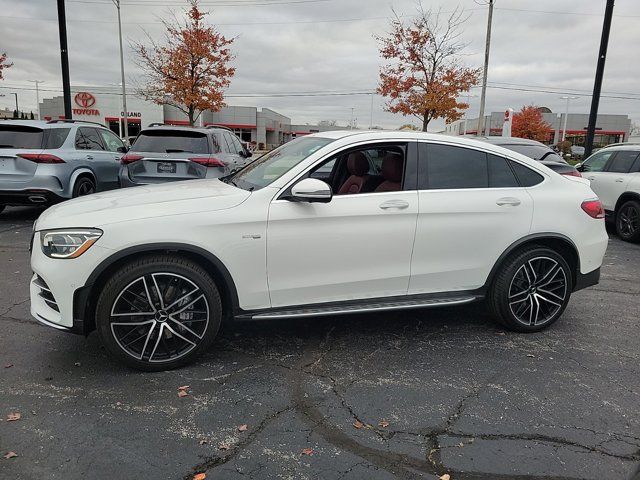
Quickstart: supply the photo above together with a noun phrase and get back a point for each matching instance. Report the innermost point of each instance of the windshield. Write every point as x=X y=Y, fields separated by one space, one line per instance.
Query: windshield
x=276 y=163
x=19 y=136
x=537 y=152
x=168 y=141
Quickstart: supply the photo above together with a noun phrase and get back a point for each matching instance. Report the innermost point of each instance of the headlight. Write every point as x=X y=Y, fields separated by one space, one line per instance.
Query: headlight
x=69 y=243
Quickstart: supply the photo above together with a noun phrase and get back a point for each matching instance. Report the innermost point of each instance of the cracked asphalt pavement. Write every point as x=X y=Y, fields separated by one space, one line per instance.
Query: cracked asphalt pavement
x=433 y=392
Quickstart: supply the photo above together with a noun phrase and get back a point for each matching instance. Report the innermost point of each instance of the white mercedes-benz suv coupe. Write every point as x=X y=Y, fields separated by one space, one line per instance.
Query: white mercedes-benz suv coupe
x=327 y=224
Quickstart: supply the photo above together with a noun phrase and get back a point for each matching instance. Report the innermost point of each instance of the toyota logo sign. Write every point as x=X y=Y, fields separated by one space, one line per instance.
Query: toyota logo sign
x=85 y=99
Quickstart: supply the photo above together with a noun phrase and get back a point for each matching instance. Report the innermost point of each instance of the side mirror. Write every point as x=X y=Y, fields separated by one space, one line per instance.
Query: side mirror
x=311 y=190
x=123 y=149
x=579 y=167
x=246 y=153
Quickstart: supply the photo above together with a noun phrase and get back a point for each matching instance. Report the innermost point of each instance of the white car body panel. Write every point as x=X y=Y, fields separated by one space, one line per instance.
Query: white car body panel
x=281 y=253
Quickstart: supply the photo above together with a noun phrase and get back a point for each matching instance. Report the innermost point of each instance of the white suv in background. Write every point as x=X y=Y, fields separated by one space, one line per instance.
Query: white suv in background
x=331 y=223
x=614 y=173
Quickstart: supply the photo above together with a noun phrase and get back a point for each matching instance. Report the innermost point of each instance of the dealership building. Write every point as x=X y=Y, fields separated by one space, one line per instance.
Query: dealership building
x=265 y=127
x=609 y=128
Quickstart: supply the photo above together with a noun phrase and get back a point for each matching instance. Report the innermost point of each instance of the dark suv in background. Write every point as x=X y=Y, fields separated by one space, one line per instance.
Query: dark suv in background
x=168 y=153
x=537 y=151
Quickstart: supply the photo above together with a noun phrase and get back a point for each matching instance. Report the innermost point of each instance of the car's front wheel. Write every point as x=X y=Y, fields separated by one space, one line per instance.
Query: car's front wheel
x=531 y=289
x=158 y=312
x=628 y=221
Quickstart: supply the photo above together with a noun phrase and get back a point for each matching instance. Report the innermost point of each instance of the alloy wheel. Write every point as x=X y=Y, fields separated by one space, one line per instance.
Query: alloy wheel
x=628 y=221
x=159 y=317
x=85 y=188
x=538 y=291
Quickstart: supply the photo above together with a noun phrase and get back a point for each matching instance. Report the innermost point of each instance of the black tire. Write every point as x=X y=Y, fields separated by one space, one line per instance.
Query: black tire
x=163 y=342
x=628 y=221
x=531 y=289
x=83 y=186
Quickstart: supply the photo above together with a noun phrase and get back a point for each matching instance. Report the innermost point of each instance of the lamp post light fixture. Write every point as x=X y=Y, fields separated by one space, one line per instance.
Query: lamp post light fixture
x=125 y=114
x=566 y=114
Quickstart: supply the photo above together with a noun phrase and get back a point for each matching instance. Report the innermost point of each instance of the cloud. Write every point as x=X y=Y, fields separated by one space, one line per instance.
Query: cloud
x=274 y=55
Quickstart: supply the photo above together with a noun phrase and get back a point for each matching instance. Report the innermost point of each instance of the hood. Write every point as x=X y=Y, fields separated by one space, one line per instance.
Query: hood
x=147 y=201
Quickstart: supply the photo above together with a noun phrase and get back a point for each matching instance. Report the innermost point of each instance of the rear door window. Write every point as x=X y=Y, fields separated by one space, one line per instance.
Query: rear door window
x=526 y=176
x=449 y=167
x=500 y=173
x=88 y=139
x=622 y=161
x=171 y=141
x=20 y=136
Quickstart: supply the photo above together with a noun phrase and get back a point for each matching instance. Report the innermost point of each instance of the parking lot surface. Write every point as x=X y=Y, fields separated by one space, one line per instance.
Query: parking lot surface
x=413 y=394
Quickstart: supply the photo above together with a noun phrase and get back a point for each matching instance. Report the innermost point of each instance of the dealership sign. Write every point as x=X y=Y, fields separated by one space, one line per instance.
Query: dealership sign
x=84 y=101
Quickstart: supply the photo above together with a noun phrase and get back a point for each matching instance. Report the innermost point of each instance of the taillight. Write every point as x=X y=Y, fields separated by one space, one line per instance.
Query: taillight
x=571 y=173
x=208 y=161
x=130 y=158
x=593 y=208
x=40 y=157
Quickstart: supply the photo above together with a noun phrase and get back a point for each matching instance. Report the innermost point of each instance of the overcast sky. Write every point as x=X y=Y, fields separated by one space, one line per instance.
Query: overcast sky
x=288 y=46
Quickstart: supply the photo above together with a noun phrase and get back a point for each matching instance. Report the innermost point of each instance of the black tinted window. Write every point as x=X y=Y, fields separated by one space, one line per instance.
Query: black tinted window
x=451 y=167
x=18 y=136
x=168 y=141
x=500 y=174
x=526 y=176
x=622 y=162
x=56 y=137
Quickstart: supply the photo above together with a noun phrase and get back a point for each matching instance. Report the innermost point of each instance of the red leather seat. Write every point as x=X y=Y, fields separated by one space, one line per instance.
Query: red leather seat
x=392 y=173
x=358 y=167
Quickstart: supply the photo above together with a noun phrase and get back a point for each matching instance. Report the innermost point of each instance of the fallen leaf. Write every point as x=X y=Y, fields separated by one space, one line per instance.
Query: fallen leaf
x=12 y=417
x=199 y=476
x=8 y=365
x=184 y=387
x=530 y=355
x=446 y=476
x=223 y=446
x=307 y=451
x=182 y=393
x=460 y=445
x=243 y=427
x=358 y=424
x=11 y=455
x=383 y=424
x=202 y=442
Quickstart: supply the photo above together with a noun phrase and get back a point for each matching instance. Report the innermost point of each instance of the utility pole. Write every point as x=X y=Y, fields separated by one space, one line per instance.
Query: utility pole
x=17 y=109
x=37 y=82
x=351 y=121
x=484 y=73
x=371 y=113
x=125 y=114
x=566 y=114
x=64 y=58
x=597 y=86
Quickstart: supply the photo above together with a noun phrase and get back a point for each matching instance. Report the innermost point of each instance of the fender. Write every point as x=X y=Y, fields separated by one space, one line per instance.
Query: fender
x=83 y=295
x=74 y=176
x=529 y=238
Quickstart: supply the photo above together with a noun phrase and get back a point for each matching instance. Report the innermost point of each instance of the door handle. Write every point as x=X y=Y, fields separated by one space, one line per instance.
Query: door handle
x=89 y=157
x=508 y=201
x=399 y=204
x=619 y=180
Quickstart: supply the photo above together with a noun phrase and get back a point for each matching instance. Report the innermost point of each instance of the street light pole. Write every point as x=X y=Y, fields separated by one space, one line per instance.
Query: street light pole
x=64 y=59
x=464 y=130
x=37 y=82
x=17 y=109
x=125 y=114
x=566 y=114
x=597 y=85
x=487 y=48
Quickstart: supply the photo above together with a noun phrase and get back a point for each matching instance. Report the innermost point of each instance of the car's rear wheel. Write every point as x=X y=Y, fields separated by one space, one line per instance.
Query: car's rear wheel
x=158 y=312
x=531 y=289
x=83 y=186
x=628 y=221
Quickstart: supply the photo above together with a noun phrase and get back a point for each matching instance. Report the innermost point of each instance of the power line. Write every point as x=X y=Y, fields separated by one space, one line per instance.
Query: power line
x=156 y=3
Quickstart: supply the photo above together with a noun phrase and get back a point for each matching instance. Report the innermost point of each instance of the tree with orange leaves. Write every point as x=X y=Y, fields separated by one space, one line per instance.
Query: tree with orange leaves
x=425 y=77
x=529 y=123
x=191 y=70
x=4 y=64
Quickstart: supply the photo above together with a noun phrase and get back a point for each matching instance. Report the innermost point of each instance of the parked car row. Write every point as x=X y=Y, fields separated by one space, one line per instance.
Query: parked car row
x=47 y=162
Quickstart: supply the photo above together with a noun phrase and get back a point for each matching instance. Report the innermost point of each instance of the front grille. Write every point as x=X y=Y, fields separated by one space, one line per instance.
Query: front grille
x=45 y=293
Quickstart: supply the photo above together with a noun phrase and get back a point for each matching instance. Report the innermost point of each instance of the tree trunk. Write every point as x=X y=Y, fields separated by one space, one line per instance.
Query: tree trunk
x=425 y=122
x=192 y=112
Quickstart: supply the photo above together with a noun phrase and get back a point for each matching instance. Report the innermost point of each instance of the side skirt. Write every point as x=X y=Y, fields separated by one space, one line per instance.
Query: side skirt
x=362 y=306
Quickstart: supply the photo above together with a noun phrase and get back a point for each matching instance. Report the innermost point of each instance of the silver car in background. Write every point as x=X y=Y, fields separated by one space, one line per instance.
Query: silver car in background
x=168 y=153
x=42 y=163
